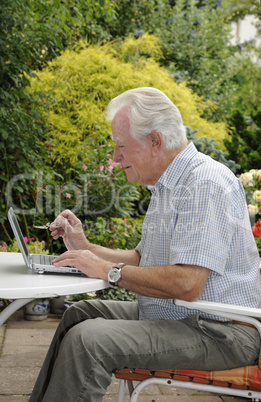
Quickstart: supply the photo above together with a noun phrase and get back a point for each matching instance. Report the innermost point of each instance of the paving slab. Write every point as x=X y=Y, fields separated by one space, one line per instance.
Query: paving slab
x=14 y=398
x=17 y=380
x=2 y=332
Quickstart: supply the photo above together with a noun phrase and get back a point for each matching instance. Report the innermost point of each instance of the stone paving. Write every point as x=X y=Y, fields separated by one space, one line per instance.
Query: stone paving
x=23 y=345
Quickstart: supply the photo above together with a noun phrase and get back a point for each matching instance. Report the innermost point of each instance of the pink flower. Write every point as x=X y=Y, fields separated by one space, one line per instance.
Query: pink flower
x=26 y=239
x=84 y=167
x=109 y=145
x=43 y=242
x=4 y=246
x=68 y=195
x=111 y=164
x=101 y=168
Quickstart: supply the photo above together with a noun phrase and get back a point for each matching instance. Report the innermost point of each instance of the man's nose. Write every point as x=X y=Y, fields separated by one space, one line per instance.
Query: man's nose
x=117 y=155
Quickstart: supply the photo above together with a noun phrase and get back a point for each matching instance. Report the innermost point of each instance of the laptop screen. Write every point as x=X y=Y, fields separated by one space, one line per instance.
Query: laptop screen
x=18 y=233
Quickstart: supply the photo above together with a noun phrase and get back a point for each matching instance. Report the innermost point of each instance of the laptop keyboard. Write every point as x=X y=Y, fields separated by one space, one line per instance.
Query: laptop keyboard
x=46 y=259
x=46 y=262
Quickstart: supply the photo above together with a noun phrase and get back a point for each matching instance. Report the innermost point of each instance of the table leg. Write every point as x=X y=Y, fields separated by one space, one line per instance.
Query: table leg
x=12 y=308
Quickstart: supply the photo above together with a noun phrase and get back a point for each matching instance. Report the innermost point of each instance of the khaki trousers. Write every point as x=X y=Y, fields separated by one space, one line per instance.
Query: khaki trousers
x=95 y=337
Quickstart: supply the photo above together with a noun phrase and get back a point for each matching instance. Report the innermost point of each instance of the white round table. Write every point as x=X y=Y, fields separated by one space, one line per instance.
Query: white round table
x=22 y=284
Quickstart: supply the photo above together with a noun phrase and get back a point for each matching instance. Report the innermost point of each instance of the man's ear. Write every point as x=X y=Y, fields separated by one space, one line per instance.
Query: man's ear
x=156 y=142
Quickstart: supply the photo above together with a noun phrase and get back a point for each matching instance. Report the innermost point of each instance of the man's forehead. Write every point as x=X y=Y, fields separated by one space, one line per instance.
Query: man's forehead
x=120 y=119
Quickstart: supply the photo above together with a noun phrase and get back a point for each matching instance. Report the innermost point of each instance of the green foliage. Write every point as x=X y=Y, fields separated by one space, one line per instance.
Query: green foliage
x=79 y=86
x=34 y=247
x=113 y=293
x=72 y=93
x=82 y=296
x=31 y=33
x=20 y=116
x=244 y=142
x=210 y=147
x=116 y=233
x=117 y=293
x=194 y=37
x=195 y=47
x=248 y=93
x=84 y=81
x=238 y=10
x=48 y=134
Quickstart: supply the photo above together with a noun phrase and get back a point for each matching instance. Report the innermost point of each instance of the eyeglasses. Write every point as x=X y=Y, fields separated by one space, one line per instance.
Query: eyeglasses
x=48 y=224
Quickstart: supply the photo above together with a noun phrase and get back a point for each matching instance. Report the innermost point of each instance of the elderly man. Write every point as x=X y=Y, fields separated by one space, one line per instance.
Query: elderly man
x=196 y=244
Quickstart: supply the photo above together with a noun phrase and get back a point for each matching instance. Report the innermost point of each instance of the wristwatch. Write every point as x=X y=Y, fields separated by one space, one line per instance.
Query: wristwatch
x=114 y=274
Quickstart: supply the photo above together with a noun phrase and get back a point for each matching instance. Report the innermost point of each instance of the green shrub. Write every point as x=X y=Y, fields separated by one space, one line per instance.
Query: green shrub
x=116 y=233
x=78 y=85
x=116 y=293
x=210 y=147
x=85 y=80
x=34 y=246
x=243 y=143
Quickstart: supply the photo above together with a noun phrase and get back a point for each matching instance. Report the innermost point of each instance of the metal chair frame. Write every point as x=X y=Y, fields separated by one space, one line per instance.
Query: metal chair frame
x=237 y=313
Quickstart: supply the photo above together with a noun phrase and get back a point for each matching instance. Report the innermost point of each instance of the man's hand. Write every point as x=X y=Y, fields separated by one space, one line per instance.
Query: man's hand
x=85 y=261
x=69 y=227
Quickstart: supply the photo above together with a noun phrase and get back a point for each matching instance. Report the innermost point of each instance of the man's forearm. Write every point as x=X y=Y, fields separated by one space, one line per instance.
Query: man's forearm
x=185 y=282
x=129 y=257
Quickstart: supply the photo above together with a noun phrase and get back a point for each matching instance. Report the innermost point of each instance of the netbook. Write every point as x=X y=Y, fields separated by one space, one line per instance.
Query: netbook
x=39 y=263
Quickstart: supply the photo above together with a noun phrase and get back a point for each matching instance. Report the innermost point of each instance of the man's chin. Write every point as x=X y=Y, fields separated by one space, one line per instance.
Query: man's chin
x=130 y=177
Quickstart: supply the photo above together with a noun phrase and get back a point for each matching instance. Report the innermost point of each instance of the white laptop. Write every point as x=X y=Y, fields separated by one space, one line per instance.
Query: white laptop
x=39 y=263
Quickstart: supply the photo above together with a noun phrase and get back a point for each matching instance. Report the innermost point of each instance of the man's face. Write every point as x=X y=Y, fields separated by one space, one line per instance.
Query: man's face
x=135 y=157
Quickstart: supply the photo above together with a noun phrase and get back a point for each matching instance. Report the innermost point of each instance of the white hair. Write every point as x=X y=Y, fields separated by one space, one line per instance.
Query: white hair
x=150 y=109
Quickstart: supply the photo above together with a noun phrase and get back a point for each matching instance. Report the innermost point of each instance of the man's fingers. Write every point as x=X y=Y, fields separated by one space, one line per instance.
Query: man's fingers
x=64 y=263
x=67 y=258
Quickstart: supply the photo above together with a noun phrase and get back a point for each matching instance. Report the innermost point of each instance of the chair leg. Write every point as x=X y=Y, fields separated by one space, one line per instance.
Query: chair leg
x=121 y=391
x=130 y=386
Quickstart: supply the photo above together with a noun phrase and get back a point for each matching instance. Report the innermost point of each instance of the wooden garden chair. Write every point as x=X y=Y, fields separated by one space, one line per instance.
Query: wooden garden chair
x=244 y=381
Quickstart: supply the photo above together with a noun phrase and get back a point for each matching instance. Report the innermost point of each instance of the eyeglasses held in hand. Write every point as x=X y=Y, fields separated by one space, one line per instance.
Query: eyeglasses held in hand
x=48 y=224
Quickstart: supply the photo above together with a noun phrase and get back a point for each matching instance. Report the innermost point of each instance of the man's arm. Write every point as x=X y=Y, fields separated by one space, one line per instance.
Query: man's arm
x=186 y=282
x=69 y=227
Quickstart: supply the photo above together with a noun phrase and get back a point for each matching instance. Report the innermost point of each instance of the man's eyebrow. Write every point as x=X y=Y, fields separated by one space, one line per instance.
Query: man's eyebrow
x=118 y=139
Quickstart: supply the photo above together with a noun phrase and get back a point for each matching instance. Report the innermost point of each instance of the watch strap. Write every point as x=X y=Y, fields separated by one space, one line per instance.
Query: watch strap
x=118 y=266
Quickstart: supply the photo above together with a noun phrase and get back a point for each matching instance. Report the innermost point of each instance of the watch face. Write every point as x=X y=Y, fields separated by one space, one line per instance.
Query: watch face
x=114 y=275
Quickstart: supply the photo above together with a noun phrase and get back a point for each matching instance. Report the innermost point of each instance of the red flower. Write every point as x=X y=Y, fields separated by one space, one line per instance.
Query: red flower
x=257 y=229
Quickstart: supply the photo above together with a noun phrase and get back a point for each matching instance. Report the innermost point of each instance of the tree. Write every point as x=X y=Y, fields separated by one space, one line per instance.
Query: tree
x=32 y=32
x=244 y=144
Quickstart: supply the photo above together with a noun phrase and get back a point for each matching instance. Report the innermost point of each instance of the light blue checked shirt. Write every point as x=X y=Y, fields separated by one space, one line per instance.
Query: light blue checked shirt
x=198 y=216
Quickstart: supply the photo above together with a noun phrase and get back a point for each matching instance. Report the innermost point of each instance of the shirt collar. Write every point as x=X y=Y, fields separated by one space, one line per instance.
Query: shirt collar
x=173 y=172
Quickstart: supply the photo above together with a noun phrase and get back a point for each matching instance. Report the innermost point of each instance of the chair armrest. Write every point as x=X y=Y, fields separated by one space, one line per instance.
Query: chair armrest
x=230 y=311
x=207 y=306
